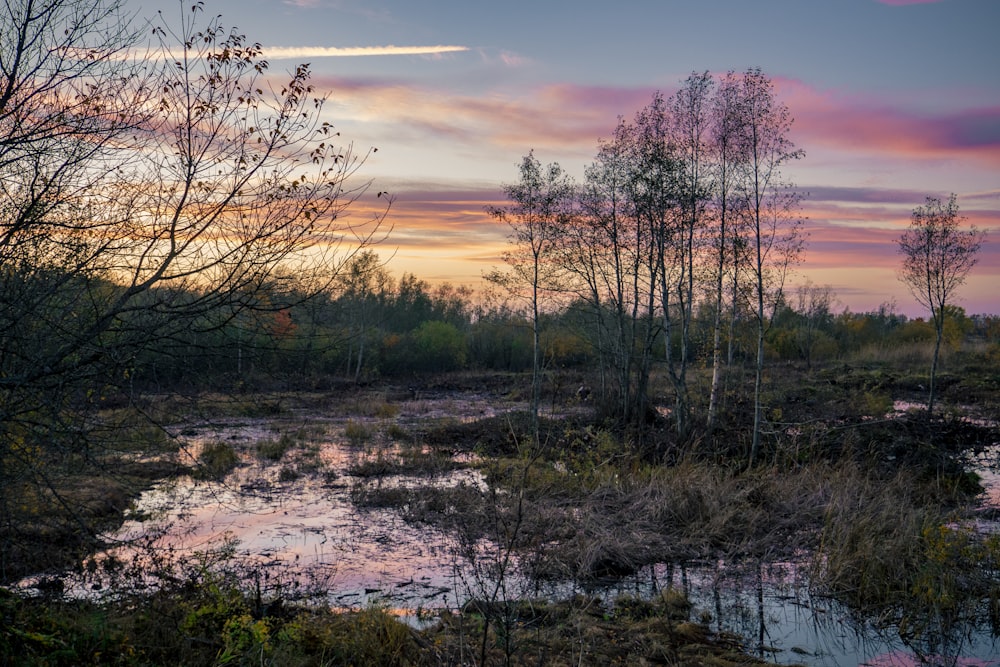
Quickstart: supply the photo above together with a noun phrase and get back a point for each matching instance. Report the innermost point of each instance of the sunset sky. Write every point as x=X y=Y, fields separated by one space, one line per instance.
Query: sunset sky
x=893 y=100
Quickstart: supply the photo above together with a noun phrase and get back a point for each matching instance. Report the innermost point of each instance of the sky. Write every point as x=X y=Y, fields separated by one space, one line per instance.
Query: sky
x=893 y=101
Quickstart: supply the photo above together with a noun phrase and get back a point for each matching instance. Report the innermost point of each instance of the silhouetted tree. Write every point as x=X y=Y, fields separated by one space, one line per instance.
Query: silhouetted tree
x=143 y=203
x=937 y=258
x=691 y=126
x=601 y=253
x=773 y=228
x=728 y=155
x=540 y=206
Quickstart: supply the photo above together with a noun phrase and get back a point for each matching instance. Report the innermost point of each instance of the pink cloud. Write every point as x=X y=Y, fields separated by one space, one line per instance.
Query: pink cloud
x=571 y=118
x=866 y=127
x=442 y=233
x=442 y=228
x=561 y=117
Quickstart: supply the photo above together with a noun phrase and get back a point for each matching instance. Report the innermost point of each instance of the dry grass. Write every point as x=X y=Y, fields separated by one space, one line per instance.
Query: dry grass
x=691 y=511
x=887 y=553
x=274 y=450
x=357 y=433
x=901 y=355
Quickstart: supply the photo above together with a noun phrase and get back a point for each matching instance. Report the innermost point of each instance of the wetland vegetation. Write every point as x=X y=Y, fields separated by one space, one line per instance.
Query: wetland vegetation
x=880 y=511
x=229 y=435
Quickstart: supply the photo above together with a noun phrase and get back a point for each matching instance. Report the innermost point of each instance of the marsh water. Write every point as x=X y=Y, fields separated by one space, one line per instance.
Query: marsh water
x=295 y=520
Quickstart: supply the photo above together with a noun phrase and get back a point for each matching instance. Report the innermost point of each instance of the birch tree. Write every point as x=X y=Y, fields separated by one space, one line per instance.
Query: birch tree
x=937 y=258
x=773 y=226
x=691 y=128
x=728 y=157
x=599 y=253
x=540 y=206
x=657 y=242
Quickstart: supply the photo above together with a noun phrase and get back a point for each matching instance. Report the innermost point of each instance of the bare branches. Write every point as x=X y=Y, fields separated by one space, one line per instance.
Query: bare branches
x=937 y=257
x=683 y=198
x=540 y=210
x=144 y=199
x=937 y=254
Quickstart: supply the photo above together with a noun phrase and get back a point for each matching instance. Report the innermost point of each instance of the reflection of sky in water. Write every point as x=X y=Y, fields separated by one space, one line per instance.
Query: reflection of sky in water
x=305 y=526
x=308 y=527
x=787 y=624
x=986 y=465
x=302 y=525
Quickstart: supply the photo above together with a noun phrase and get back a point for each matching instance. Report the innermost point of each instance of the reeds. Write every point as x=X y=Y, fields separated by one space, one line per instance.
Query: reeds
x=888 y=553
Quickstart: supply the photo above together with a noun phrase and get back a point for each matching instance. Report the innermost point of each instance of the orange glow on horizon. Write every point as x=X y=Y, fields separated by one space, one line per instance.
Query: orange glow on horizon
x=442 y=236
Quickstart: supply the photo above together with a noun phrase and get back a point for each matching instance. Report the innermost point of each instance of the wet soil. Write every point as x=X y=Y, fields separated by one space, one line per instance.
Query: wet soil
x=365 y=503
x=57 y=525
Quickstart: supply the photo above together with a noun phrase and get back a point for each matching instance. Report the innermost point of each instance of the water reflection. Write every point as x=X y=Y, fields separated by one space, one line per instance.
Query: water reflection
x=306 y=526
x=772 y=608
x=303 y=526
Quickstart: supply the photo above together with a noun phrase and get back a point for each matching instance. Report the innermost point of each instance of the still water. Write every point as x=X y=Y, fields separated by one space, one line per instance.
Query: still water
x=305 y=528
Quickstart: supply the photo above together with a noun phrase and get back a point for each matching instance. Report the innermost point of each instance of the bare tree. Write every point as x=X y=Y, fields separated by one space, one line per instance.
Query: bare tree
x=628 y=207
x=728 y=157
x=540 y=206
x=773 y=229
x=658 y=245
x=142 y=200
x=69 y=97
x=600 y=253
x=691 y=131
x=814 y=302
x=937 y=258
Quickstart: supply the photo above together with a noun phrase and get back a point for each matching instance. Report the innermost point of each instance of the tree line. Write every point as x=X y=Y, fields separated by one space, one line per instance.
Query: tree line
x=370 y=325
x=685 y=204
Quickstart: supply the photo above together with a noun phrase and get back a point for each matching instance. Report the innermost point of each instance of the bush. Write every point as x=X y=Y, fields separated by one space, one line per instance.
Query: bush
x=274 y=450
x=433 y=346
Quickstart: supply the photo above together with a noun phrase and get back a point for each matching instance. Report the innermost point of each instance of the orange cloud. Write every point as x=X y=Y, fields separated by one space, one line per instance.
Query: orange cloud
x=443 y=233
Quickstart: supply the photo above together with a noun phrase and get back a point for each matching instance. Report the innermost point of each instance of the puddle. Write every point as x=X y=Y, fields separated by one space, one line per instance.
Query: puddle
x=306 y=528
x=779 y=619
x=301 y=528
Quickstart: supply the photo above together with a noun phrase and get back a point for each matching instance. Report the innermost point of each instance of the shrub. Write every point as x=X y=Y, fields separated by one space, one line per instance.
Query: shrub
x=385 y=410
x=433 y=346
x=274 y=450
x=397 y=432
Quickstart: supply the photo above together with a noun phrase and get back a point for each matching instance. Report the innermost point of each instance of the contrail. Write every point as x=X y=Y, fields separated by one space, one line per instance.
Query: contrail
x=281 y=52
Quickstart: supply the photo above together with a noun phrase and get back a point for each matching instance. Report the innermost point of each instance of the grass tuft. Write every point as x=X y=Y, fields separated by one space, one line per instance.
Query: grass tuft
x=215 y=461
x=357 y=433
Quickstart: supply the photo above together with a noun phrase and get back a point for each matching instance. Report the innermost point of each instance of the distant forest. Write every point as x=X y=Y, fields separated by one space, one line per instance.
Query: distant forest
x=371 y=325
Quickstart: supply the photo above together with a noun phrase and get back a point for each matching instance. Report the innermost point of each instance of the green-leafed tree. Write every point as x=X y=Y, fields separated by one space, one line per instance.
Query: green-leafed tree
x=438 y=346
